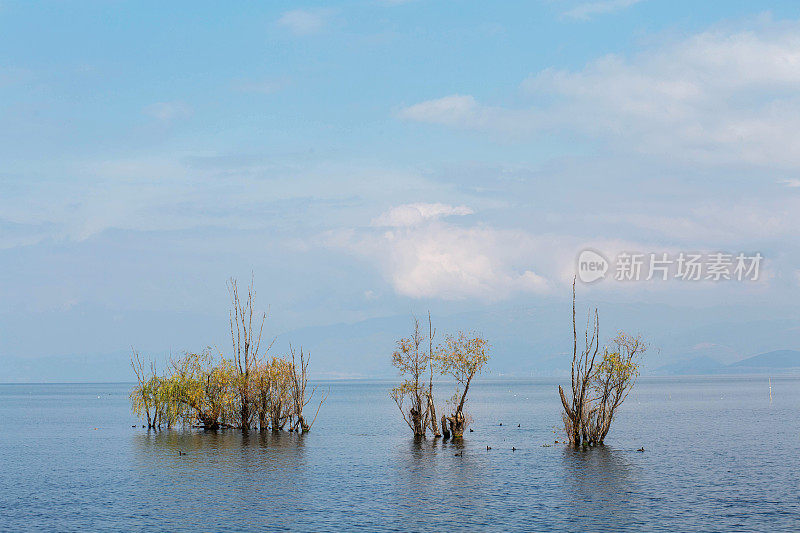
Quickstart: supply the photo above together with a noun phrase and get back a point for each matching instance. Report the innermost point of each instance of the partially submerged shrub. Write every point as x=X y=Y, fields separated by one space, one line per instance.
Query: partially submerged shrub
x=415 y=365
x=598 y=388
x=200 y=389
x=212 y=391
x=461 y=357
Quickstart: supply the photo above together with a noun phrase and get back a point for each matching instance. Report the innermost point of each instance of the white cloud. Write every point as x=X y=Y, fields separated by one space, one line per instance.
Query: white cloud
x=452 y=110
x=431 y=258
x=464 y=111
x=168 y=111
x=304 y=21
x=370 y=295
x=423 y=257
x=587 y=10
x=719 y=97
x=435 y=259
x=413 y=214
x=793 y=182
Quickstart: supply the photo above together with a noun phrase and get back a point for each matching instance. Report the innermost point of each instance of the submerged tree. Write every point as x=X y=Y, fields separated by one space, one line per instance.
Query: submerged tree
x=299 y=381
x=146 y=396
x=413 y=363
x=214 y=391
x=576 y=412
x=598 y=389
x=270 y=393
x=203 y=390
x=462 y=357
x=246 y=344
x=431 y=405
x=280 y=405
x=612 y=381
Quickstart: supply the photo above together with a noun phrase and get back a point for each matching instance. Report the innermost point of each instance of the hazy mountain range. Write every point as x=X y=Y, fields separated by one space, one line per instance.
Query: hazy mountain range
x=775 y=362
x=526 y=341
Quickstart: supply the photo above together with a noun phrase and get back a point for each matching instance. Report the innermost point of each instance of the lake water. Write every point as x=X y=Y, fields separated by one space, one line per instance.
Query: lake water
x=719 y=456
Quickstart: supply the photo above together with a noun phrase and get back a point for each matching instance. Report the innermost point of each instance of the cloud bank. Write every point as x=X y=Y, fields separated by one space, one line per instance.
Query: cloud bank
x=425 y=257
x=414 y=214
x=720 y=97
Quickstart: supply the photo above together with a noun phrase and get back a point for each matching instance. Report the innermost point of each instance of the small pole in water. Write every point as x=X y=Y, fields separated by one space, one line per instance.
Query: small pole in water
x=770 y=391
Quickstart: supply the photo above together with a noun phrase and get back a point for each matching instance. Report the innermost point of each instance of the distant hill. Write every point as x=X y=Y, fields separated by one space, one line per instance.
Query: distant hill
x=531 y=340
x=778 y=360
x=693 y=366
x=775 y=359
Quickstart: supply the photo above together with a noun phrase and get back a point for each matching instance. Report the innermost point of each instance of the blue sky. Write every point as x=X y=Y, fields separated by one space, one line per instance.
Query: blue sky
x=368 y=159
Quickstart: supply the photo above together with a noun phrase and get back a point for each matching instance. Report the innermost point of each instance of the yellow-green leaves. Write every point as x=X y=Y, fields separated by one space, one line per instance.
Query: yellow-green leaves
x=462 y=356
x=205 y=388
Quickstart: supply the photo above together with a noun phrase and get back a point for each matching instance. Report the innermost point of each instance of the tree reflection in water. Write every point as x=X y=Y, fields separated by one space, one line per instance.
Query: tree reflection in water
x=436 y=478
x=599 y=484
x=229 y=452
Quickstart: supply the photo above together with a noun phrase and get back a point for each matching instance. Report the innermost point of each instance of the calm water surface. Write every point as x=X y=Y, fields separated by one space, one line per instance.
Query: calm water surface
x=719 y=457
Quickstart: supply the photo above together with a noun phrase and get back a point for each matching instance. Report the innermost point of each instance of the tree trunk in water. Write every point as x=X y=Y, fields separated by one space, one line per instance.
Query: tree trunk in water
x=245 y=415
x=457 y=424
x=574 y=418
x=445 y=431
x=416 y=420
x=434 y=423
x=301 y=423
x=209 y=422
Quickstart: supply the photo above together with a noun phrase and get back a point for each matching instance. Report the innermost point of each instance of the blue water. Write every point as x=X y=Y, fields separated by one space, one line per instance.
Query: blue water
x=719 y=456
